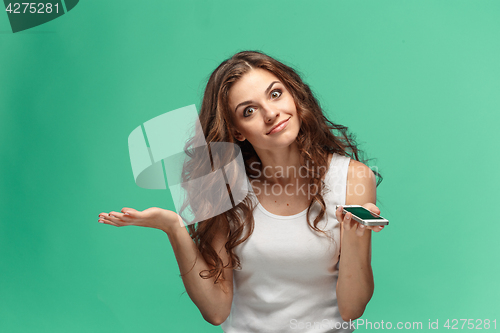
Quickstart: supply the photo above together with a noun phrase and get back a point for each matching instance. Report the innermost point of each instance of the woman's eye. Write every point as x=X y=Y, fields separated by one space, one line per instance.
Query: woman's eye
x=275 y=94
x=248 y=111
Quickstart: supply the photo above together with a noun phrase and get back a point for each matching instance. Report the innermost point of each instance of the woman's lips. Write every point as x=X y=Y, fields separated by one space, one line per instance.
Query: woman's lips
x=279 y=127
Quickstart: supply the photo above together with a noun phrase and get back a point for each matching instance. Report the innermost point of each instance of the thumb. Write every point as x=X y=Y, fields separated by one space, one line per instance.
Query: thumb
x=372 y=208
x=129 y=211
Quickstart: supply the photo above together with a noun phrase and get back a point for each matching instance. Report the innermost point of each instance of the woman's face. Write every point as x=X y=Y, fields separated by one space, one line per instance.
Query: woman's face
x=259 y=102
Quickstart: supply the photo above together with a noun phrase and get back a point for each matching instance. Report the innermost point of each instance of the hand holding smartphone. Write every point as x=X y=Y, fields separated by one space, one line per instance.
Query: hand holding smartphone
x=362 y=215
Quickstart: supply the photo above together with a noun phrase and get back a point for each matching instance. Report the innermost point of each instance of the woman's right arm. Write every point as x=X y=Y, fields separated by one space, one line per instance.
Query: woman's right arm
x=213 y=300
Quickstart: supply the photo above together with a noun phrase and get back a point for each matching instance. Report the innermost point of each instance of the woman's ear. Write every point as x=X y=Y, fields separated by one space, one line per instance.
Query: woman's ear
x=238 y=136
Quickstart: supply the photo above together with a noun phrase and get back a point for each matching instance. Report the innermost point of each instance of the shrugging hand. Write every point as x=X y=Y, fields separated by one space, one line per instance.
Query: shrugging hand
x=350 y=224
x=153 y=217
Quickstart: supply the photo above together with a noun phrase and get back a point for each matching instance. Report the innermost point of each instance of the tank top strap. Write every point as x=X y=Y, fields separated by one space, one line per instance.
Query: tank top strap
x=336 y=179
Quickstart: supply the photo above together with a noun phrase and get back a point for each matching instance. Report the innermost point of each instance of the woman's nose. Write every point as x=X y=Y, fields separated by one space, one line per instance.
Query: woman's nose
x=270 y=114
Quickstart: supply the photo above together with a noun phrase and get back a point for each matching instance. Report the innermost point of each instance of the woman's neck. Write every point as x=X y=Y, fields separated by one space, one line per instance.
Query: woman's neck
x=281 y=166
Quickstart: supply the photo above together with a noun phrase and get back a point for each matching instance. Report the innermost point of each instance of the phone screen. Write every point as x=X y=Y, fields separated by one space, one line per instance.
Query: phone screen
x=363 y=213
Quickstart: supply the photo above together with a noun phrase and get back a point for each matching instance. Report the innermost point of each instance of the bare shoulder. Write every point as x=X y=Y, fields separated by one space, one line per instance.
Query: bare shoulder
x=361 y=184
x=359 y=170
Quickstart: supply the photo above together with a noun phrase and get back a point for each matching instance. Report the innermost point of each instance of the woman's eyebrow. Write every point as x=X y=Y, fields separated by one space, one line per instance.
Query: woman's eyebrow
x=250 y=102
x=270 y=86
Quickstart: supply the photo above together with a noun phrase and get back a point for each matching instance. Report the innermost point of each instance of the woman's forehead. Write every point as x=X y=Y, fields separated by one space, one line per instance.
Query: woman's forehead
x=255 y=81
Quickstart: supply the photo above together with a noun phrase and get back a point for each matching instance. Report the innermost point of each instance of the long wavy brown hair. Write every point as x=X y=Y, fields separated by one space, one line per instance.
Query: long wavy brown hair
x=317 y=138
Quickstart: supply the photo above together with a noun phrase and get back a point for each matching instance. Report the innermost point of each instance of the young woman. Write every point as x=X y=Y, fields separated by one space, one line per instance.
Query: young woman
x=284 y=259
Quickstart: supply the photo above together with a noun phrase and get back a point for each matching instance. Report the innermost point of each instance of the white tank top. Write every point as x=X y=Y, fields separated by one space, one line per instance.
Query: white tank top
x=288 y=276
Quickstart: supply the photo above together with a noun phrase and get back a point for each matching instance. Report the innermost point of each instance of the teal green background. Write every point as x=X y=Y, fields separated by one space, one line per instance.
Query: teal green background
x=416 y=81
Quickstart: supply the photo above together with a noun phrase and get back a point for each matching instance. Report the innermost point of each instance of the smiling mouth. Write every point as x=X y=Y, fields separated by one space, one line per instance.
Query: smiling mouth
x=279 y=127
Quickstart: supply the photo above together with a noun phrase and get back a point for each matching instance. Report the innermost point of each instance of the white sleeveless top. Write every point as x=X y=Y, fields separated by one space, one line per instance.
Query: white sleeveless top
x=288 y=276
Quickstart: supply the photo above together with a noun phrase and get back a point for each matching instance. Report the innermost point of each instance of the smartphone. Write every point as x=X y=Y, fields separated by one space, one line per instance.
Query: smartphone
x=364 y=216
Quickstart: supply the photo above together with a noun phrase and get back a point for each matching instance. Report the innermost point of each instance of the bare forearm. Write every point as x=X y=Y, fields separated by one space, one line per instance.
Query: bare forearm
x=355 y=283
x=213 y=301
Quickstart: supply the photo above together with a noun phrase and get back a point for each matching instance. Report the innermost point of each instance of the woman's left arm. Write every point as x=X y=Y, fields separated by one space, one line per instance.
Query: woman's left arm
x=355 y=281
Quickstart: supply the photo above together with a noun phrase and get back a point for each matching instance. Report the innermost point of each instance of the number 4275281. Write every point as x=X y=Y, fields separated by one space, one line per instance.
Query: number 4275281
x=456 y=324
x=32 y=7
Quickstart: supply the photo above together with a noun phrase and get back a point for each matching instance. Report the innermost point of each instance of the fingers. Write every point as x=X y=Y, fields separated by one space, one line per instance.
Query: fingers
x=106 y=219
x=360 y=231
x=129 y=211
x=346 y=220
x=377 y=228
x=371 y=207
x=342 y=219
x=354 y=225
x=348 y=223
x=115 y=218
